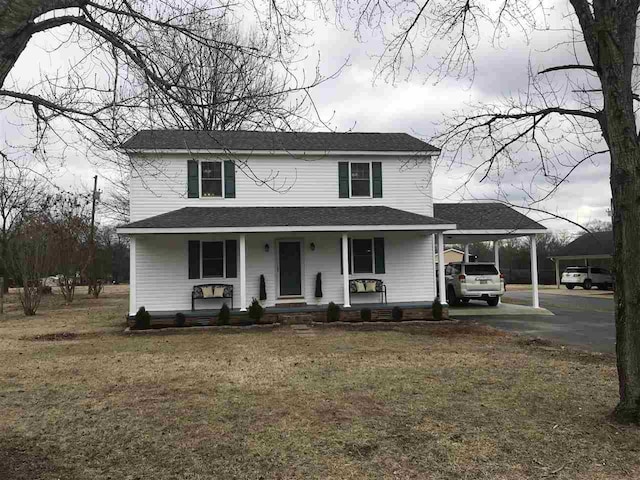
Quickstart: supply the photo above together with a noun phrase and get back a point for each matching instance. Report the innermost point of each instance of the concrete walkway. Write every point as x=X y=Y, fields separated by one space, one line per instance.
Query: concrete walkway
x=478 y=309
x=303 y=330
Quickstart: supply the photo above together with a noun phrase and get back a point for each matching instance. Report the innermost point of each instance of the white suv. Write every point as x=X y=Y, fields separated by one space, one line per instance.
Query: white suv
x=587 y=277
x=473 y=281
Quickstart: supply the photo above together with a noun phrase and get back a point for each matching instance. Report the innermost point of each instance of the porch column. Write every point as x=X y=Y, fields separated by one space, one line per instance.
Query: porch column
x=132 y=275
x=557 y=262
x=534 y=272
x=496 y=259
x=466 y=253
x=441 y=283
x=345 y=270
x=243 y=273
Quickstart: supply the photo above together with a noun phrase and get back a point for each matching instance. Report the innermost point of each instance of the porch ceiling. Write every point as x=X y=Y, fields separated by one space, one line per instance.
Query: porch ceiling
x=273 y=219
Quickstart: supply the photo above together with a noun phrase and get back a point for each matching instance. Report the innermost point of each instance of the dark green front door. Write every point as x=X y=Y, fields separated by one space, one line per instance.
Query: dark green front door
x=290 y=268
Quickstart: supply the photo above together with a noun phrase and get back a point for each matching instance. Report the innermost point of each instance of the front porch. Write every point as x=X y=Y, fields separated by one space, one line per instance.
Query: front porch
x=380 y=312
x=303 y=256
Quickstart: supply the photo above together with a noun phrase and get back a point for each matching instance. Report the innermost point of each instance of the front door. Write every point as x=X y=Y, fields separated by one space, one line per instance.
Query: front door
x=290 y=268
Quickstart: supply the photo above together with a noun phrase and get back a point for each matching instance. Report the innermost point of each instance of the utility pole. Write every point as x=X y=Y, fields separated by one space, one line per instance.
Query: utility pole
x=92 y=241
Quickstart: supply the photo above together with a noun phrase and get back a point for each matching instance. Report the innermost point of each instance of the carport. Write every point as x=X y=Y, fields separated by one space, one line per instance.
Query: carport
x=590 y=246
x=486 y=222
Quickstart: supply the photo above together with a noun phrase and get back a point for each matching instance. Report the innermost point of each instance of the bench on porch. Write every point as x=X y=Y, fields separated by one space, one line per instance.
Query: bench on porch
x=369 y=285
x=210 y=292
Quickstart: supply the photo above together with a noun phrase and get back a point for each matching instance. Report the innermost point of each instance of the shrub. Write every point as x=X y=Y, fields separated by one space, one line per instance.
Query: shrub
x=333 y=312
x=224 y=315
x=397 y=313
x=365 y=314
x=142 y=319
x=255 y=310
x=436 y=309
x=180 y=319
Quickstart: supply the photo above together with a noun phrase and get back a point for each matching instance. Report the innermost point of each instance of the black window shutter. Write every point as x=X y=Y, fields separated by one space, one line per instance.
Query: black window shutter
x=194 y=259
x=376 y=168
x=229 y=179
x=192 y=179
x=348 y=256
x=378 y=247
x=343 y=179
x=231 y=251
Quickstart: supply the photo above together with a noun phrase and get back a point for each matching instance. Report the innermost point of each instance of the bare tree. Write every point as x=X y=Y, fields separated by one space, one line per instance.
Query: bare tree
x=115 y=86
x=228 y=89
x=19 y=190
x=69 y=245
x=31 y=259
x=566 y=116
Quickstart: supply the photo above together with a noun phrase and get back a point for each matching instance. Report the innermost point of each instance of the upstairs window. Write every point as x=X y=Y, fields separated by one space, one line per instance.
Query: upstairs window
x=360 y=179
x=211 y=179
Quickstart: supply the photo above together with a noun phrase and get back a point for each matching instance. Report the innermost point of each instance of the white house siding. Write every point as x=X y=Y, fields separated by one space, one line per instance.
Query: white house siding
x=159 y=183
x=162 y=283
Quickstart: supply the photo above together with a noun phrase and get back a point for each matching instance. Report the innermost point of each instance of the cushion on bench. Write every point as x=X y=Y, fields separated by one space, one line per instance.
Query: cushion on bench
x=365 y=285
x=213 y=291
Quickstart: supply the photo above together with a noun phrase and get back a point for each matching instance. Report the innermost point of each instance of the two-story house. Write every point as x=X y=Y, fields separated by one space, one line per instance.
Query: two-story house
x=279 y=208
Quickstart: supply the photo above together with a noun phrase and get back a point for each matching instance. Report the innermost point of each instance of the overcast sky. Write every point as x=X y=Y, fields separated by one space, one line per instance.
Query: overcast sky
x=359 y=102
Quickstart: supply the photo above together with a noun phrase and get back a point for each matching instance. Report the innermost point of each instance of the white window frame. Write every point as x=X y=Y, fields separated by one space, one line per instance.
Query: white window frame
x=373 y=256
x=370 y=181
x=200 y=161
x=224 y=259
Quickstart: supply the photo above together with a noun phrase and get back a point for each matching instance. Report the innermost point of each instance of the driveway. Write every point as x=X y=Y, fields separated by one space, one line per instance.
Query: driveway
x=579 y=321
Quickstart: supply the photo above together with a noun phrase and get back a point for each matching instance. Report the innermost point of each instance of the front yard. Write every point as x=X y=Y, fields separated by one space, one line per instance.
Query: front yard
x=81 y=400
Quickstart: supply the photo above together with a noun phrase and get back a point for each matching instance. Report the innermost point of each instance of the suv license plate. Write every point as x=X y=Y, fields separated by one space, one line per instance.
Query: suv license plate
x=484 y=282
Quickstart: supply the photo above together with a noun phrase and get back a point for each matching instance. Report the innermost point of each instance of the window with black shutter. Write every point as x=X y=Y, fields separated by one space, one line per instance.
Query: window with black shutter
x=211 y=179
x=362 y=255
x=212 y=259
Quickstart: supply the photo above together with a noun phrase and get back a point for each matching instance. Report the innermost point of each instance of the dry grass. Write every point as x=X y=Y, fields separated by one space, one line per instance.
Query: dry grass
x=81 y=400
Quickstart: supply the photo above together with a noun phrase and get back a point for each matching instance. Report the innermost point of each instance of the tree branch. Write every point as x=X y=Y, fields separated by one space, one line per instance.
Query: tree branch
x=568 y=67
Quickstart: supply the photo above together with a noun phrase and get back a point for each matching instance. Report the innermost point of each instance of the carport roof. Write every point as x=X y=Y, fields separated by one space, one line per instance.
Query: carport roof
x=596 y=244
x=481 y=221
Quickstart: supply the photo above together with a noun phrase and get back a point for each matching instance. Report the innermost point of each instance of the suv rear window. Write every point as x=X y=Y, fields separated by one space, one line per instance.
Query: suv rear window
x=577 y=270
x=480 y=270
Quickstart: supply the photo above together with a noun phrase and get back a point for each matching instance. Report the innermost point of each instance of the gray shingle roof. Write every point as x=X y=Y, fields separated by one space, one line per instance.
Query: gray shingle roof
x=596 y=243
x=219 y=217
x=275 y=141
x=484 y=216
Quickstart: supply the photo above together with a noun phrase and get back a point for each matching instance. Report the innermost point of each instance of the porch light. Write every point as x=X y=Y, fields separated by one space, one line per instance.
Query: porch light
x=312 y=246
x=266 y=247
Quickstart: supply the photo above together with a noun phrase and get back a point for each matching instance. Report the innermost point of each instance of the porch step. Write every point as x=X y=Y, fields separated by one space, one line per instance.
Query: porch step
x=291 y=304
x=303 y=331
x=296 y=318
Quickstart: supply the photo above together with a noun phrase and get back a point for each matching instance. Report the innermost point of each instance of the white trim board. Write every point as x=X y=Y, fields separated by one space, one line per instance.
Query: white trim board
x=501 y=231
x=291 y=229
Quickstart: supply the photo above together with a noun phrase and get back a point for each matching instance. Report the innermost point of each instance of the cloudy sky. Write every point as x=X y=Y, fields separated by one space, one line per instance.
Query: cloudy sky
x=356 y=100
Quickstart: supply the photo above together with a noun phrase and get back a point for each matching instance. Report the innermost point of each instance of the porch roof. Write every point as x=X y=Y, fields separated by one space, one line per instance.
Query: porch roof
x=270 y=219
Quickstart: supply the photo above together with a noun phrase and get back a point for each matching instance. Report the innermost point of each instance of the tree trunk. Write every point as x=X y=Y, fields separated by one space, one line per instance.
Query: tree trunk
x=615 y=54
x=625 y=186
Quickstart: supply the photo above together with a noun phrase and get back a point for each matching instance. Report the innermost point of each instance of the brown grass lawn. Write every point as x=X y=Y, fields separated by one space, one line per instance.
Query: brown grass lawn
x=441 y=402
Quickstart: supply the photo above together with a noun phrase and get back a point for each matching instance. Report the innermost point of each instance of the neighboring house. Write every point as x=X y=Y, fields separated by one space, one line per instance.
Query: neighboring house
x=234 y=207
x=451 y=255
x=346 y=205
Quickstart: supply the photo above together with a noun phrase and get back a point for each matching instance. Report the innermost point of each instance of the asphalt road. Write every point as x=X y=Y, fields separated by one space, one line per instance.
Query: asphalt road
x=579 y=321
